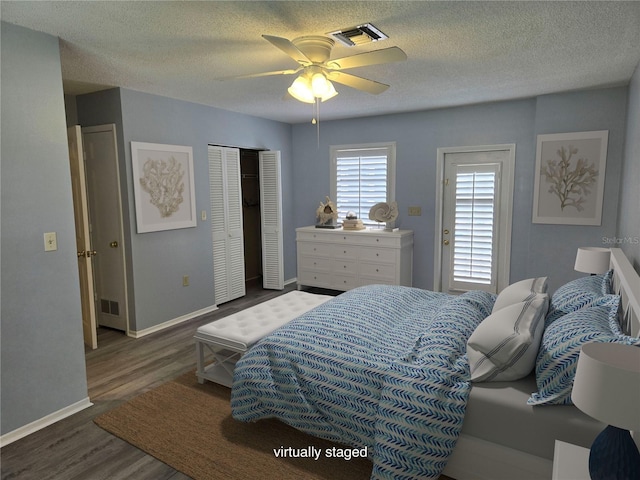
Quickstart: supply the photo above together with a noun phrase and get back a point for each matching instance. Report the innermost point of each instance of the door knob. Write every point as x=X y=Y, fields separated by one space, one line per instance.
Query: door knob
x=114 y=244
x=446 y=232
x=446 y=242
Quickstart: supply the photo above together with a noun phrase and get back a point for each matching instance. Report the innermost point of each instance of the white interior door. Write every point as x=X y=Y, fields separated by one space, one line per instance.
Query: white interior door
x=105 y=213
x=83 y=239
x=473 y=237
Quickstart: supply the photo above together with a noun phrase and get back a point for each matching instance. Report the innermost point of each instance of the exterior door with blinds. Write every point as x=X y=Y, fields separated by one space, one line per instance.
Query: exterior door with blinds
x=474 y=235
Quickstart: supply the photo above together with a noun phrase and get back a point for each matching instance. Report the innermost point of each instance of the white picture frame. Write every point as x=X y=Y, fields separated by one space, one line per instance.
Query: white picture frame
x=163 y=184
x=569 y=178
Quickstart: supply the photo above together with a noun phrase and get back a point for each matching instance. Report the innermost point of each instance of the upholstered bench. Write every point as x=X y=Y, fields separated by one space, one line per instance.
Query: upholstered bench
x=230 y=337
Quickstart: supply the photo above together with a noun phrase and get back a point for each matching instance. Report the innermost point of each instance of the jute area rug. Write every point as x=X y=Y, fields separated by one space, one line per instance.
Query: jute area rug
x=189 y=427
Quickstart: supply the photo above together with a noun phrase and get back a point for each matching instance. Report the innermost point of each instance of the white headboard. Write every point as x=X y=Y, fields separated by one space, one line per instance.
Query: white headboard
x=626 y=283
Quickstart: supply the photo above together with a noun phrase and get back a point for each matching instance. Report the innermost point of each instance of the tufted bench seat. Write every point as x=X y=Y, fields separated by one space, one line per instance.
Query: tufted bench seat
x=228 y=338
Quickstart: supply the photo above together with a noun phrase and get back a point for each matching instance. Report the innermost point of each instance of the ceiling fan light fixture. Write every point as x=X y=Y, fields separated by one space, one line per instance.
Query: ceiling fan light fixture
x=308 y=90
x=300 y=89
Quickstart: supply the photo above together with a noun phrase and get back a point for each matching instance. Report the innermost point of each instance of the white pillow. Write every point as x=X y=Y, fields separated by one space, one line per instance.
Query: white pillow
x=504 y=346
x=519 y=292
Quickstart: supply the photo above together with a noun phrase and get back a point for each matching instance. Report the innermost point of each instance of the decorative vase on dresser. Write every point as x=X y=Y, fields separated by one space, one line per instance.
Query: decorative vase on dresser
x=345 y=259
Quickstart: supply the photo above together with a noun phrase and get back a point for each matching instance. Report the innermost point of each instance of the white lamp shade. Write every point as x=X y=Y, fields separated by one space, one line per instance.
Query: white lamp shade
x=300 y=89
x=592 y=260
x=607 y=384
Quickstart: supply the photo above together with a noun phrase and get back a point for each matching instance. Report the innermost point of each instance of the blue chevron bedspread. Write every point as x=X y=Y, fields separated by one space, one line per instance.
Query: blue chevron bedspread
x=382 y=367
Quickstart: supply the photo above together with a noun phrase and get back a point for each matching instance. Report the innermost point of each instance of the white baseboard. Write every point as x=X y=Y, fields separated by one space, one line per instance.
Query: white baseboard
x=171 y=323
x=291 y=280
x=50 y=419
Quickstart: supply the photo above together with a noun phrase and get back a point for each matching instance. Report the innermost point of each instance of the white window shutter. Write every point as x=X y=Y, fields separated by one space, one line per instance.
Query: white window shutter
x=362 y=179
x=475 y=241
x=271 y=214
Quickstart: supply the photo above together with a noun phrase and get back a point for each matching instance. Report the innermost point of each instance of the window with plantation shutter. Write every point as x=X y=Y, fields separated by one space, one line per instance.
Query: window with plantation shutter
x=362 y=175
x=475 y=220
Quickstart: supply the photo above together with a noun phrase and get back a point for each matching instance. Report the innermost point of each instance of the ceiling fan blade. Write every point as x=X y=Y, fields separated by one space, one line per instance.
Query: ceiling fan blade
x=289 y=48
x=385 y=55
x=263 y=74
x=359 y=83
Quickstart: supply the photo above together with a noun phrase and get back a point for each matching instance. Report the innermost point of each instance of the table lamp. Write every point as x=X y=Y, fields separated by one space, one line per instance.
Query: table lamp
x=593 y=260
x=607 y=387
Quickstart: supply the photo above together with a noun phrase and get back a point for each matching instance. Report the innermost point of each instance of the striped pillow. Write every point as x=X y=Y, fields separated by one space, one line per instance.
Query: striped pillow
x=504 y=346
x=580 y=293
x=561 y=343
x=519 y=292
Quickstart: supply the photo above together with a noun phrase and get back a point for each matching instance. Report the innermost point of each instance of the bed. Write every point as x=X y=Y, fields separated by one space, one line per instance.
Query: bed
x=400 y=384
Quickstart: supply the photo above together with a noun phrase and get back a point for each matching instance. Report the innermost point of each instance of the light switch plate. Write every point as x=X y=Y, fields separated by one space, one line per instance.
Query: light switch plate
x=415 y=211
x=50 y=242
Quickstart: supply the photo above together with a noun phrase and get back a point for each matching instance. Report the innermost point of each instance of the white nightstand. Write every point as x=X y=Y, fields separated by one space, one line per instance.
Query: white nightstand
x=570 y=462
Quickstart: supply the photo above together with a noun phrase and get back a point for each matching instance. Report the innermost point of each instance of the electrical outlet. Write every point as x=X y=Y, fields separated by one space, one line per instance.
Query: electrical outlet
x=185 y=280
x=415 y=211
x=50 y=241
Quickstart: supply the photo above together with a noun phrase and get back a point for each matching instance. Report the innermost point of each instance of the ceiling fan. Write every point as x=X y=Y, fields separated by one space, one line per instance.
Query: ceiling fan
x=316 y=70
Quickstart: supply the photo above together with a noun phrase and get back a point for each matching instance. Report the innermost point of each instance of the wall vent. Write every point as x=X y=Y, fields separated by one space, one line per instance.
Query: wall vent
x=358 y=35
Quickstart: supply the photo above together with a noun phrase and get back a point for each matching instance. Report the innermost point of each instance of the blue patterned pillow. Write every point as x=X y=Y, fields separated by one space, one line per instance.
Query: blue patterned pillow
x=561 y=343
x=579 y=293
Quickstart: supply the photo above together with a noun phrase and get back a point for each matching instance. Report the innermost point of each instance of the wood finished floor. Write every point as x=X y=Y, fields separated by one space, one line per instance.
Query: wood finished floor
x=121 y=368
x=118 y=370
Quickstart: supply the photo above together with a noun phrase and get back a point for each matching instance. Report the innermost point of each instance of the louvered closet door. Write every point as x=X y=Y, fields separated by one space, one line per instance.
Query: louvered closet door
x=271 y=215
x=226 y=223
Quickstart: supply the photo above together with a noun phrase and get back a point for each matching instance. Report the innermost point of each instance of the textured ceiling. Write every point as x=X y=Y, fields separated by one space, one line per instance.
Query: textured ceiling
x=458 y=52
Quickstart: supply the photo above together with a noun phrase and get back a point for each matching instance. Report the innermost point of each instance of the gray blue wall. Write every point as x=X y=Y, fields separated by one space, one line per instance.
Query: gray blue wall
x=42 y=363
x=42 y=355
x=628 y=234
x=158 y=260
x=536 y=249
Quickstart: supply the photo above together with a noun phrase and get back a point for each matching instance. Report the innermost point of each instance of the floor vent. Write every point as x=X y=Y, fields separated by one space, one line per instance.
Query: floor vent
x=359 y=35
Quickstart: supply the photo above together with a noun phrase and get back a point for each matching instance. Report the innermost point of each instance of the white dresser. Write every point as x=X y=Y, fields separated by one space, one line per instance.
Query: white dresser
x=340 y=259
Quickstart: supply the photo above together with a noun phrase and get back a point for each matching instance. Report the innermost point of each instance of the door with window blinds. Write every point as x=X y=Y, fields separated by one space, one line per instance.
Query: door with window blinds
x=472 y=221
x=226 y=223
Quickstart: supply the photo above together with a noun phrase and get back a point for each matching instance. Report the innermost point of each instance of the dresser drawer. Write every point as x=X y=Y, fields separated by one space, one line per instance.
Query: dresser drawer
x=315 y=249
x=345 y=251
x=341 y=266
x=382 y=270
x=318 y=235
x=318 y=279
x=384 y=255
x=380 y=240
x=344 y=282
x=316 y=264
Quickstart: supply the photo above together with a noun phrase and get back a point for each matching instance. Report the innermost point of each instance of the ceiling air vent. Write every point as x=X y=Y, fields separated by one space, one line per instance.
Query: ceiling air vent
x=359 y=35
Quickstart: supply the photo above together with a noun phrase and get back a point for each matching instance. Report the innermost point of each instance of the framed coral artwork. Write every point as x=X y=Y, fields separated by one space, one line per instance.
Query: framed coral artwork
x=569 y=178
x=163 y=184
